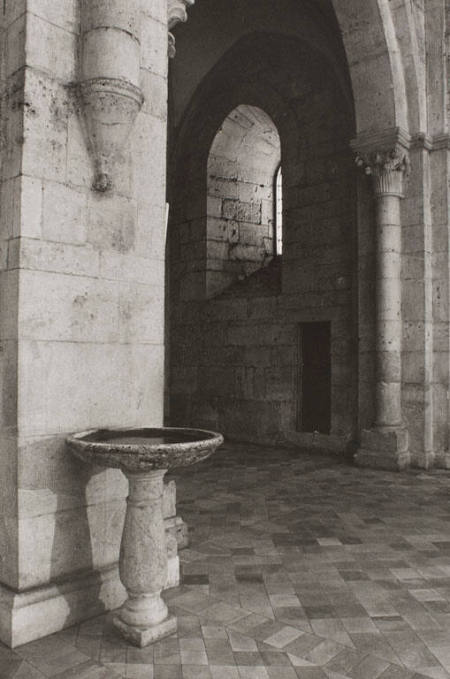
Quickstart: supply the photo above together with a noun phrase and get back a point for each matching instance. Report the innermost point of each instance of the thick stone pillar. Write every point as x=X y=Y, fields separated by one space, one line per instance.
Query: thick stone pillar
x=385 y=445
x=83 y=343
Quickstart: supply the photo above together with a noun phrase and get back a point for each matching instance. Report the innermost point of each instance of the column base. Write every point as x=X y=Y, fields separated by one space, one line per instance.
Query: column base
x=441 y=460
x=384 y=448
x=143 y=636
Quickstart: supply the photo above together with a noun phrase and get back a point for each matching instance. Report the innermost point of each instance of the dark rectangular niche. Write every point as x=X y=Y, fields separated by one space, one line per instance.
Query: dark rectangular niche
x=314 y=384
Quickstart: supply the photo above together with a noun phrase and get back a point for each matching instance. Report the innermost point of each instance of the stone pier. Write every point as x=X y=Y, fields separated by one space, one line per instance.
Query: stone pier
x=82 y=300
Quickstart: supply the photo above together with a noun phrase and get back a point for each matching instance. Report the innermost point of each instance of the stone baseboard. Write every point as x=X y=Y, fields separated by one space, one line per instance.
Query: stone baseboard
x=442 y=460
x=384 y=449
x=36 y=613
x=30 y=615
x=331 y=443
x=26 y=616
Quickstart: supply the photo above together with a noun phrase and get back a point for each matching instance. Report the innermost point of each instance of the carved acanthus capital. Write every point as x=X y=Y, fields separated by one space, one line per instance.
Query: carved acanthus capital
x=385 y=157
x=389 y=170
x=177 y=12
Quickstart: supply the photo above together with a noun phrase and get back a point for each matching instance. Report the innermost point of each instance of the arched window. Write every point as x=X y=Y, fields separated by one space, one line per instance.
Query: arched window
x=278 y=212
x=243 y=160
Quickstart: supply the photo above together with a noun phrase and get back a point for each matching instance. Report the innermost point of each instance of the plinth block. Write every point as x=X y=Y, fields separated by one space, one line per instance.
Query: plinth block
x=384 y=449
x=143 y=636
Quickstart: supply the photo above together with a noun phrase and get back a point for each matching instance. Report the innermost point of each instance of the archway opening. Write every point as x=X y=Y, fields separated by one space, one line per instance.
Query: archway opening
x=240 y=314
x=243 y=197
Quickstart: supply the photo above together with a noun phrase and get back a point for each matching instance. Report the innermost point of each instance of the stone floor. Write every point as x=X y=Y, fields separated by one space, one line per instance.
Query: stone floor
x=299 y=566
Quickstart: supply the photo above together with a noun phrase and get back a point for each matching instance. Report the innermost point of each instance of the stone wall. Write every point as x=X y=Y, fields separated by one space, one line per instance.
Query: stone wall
x=235 y=357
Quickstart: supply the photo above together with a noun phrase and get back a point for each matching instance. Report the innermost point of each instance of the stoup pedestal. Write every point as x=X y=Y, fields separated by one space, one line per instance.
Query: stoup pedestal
x=144 y=617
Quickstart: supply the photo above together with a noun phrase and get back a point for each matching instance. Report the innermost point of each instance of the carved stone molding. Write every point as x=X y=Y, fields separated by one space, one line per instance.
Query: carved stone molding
x=438 y=142
x=385 y=157
x=441 y=142
x=110 y=107
x=177 y=12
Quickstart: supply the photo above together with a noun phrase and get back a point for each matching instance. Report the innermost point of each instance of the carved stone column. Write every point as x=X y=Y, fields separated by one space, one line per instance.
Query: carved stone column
x=386 y=444
x=177 y=12
x=109 y=92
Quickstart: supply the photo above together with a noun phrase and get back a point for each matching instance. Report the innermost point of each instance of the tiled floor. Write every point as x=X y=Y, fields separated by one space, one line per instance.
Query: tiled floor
x=299 y=566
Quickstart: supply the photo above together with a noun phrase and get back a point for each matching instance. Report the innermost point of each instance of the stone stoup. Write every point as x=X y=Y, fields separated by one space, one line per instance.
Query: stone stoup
x=90 y=337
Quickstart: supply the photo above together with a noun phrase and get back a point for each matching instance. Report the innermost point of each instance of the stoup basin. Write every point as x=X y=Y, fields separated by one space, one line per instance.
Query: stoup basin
x=144 y=455
x=144 y=449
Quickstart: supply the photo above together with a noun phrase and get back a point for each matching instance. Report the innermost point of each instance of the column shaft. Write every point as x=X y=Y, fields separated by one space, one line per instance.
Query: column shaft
x=388 y=305
x=110 y=40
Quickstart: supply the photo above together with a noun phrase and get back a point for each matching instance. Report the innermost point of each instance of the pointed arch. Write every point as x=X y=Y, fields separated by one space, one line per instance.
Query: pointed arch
x=375 y=64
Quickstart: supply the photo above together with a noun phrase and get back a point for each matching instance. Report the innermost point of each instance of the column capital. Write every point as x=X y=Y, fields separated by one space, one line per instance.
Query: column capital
x=176 y=13
x=385 y=157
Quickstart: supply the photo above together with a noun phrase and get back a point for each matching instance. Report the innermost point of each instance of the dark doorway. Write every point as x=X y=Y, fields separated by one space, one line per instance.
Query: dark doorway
x=314 y=412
